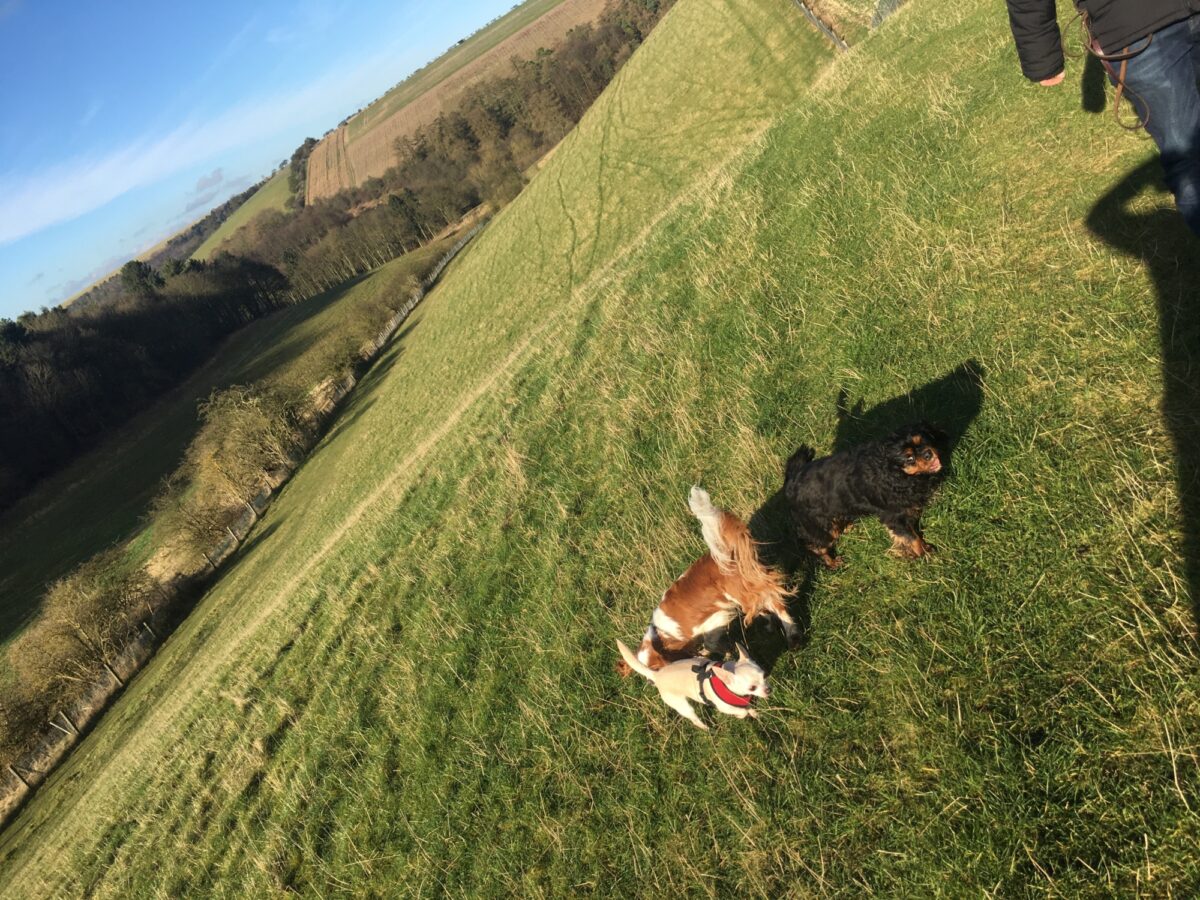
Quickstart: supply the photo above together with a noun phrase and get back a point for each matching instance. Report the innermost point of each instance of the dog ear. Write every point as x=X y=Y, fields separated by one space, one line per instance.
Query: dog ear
x=740 y=649
x=724 y=674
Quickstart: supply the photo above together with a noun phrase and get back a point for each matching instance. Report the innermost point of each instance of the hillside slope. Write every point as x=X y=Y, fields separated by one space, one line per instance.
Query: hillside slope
x=364 y=146
x=104 y=497
x=406 y=685
x=271 y=195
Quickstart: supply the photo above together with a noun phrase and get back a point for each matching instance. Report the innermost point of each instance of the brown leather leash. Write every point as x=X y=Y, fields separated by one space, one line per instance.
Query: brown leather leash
x=1118 y=75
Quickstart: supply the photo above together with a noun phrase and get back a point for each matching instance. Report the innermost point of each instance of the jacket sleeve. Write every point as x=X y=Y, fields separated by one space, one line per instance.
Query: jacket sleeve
x=1039 y=43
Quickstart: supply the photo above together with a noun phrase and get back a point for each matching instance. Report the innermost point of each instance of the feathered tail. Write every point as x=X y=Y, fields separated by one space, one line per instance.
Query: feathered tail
x=731 y=545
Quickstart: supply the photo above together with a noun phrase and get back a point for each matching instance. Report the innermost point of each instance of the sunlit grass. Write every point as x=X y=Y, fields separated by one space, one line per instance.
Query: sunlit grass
x=407 y=686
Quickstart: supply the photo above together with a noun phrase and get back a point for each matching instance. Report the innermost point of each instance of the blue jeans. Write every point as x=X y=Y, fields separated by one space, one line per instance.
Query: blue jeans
x=1161 y=83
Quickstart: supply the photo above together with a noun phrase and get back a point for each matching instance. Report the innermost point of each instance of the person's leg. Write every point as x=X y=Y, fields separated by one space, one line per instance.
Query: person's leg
x=1161 y=83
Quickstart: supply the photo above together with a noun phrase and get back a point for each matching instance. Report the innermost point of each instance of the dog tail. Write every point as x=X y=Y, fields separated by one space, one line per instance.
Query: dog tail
x=764 y=587
x=634 y=663
x=732 y=547
x=797 y=462
x=712 y=526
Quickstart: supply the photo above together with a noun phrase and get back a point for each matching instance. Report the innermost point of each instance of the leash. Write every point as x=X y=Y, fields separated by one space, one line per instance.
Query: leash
x=1118 y=75
x=704 y=674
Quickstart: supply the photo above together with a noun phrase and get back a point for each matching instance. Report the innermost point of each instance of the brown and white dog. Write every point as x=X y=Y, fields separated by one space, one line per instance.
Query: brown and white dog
x=726 y=582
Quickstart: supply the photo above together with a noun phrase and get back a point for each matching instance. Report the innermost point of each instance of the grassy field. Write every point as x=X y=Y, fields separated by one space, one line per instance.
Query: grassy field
x=365 y=146
x=271 y=195
x=101 y=499
x=406 y=685
x=429 y=76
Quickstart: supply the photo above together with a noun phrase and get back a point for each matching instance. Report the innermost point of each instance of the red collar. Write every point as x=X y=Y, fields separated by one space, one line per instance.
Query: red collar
x=724 y=694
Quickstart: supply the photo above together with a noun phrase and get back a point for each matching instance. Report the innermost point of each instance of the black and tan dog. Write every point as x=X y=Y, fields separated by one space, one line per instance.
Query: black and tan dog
x=892 y=479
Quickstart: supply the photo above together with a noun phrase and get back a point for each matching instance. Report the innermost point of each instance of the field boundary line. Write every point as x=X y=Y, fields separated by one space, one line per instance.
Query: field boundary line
x=822 y=26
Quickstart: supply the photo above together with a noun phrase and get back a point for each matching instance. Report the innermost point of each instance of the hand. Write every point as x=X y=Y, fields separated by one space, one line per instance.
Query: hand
x=1053 y=80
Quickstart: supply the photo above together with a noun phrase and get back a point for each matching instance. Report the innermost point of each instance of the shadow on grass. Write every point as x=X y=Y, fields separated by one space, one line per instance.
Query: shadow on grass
x=292 y=318
x=1171 y=255
x=1092 y=91
x=951 y=402
x=771 y=526
x=259 y=534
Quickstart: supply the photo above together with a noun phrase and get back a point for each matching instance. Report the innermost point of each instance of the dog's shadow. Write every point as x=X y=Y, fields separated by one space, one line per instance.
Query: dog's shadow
x=951 y=403
x=771 y=527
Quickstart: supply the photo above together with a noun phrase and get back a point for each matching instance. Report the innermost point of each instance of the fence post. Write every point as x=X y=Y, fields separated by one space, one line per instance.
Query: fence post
x=820 y=25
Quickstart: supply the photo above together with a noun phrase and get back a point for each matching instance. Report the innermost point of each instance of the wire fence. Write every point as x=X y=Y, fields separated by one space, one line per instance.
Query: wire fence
x=822 y=26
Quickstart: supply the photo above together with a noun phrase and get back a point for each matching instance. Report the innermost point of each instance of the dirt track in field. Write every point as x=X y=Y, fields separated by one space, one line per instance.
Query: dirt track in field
x=344 y=159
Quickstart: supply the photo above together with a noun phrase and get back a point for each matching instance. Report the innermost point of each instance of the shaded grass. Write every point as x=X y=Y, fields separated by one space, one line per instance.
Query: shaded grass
x=408 y=686
x=102 y=498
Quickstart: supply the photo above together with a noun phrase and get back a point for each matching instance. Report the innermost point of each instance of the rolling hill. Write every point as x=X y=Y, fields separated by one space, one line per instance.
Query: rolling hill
x=103 y=498
x=406 y=685
x=272 y=195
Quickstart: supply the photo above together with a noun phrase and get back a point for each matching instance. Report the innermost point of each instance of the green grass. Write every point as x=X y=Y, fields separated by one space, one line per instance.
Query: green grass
x=272 y=195
x=101 y=498
x=406 y=685
x=433 y=74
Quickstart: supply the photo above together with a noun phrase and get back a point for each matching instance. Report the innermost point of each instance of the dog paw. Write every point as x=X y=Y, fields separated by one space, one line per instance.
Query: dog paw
x=903 y=548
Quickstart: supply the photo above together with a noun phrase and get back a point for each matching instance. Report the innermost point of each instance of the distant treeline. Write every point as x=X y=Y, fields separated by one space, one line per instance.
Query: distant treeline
x=478 y=151
x=177 y=248
x=69 y=375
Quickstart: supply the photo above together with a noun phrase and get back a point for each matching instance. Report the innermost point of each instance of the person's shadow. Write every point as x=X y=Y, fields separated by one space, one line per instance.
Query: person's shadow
x=1093 y=93
x=1171 y=255
x=950 y=402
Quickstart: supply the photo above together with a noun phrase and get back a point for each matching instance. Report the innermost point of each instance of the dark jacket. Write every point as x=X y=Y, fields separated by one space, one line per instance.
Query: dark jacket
x=1115 y=24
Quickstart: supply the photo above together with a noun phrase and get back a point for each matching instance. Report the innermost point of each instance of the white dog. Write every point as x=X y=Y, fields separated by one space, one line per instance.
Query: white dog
x=727 y=687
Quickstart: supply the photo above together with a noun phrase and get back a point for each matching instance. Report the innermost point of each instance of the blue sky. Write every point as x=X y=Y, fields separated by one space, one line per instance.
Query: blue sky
x=120 y=123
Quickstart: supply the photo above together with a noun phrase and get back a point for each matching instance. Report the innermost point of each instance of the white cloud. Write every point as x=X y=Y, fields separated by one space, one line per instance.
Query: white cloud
x=210 y=181
x=31 y=202
x=310 y=22
x=93 y=108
